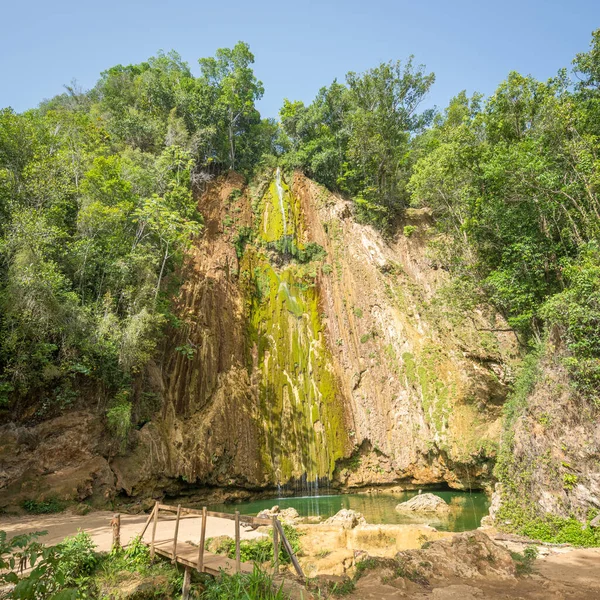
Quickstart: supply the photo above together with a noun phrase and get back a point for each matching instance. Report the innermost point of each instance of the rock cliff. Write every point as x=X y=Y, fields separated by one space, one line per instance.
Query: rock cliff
x=308 y=351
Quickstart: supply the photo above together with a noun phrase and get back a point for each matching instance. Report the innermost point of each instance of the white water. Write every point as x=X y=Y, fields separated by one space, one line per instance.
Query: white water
x=280 y=194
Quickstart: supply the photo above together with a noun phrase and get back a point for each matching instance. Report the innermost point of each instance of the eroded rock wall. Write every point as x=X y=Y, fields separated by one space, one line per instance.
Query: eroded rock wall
x=310 y=351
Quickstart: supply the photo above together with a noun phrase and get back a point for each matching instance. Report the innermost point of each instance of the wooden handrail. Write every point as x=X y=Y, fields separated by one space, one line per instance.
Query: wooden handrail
x=249 y=520
x=275 y=546
x=289 y=550
x=176 y=534
x=155 y=521
x=238 y=567
x=202 y=541
x=278 y=534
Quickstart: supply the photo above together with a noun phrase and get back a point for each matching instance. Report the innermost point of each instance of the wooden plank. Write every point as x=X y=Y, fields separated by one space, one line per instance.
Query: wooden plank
x=155 y=521
x=202 y=541
x=289 y=550
x=213 y=563
x=176 y=534
x=237 y=541
x=275 y=546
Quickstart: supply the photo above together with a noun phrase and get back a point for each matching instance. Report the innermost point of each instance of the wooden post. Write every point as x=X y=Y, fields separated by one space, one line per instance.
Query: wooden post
x=275 y=546
x=176 y=534
x=155 y=520
x=202 y=539
x=289 y=550
x=238 y=567
x=116 y=531
x=185 y=589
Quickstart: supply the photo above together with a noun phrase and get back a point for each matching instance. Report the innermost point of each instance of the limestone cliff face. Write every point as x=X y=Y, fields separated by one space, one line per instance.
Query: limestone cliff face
x=313 y=351
x=310 y=351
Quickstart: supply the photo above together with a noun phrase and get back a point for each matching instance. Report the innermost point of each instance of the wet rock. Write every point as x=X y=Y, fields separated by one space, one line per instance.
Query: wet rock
x=347 y=518
x=287 y=515
x=490 y=519
x=427 y=503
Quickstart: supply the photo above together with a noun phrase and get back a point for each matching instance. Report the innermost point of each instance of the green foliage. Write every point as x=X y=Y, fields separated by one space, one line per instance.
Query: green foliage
x=409 y=230
x=575 y=312
x=355 y=137
x=524 y=562
x=62 y=572
x=257 y=585
x=43 y=507
x=288 y=247
x=118 y=418
x=97 y=211
x=261 y=549
x=243 y=237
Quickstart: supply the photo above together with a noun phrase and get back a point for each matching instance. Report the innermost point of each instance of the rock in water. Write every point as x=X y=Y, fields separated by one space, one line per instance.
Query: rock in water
x=287 y=515
x=347 y=518
x=424 y=503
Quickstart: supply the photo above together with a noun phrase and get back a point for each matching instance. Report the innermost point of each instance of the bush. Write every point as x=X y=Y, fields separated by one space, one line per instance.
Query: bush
x=261 y=550
x=43 y=507
x=257 y=585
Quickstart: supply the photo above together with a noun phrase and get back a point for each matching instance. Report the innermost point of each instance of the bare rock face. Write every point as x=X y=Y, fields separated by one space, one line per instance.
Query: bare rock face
x=59 y=458
x=424 y=503
x=287 y=515
x=348 y=519
x=471 y=555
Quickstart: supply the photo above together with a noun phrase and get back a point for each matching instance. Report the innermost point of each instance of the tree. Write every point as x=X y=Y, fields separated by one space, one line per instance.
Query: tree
x=237 y=89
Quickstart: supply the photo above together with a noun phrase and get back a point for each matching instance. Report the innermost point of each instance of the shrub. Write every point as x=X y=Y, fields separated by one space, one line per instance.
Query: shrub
x=43 y=507
x=257 y=585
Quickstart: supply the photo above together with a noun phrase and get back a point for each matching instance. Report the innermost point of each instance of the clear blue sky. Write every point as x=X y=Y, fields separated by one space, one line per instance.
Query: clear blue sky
x=299 y=46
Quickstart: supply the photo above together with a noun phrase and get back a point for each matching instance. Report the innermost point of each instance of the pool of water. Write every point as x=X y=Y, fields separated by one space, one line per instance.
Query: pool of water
x=466 y=512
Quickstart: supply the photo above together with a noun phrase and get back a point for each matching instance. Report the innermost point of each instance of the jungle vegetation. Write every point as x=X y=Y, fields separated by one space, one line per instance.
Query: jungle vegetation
x=97 y=203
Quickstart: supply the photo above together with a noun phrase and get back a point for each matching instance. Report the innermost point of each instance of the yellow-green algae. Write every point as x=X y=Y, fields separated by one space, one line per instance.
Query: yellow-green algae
x=300 y=406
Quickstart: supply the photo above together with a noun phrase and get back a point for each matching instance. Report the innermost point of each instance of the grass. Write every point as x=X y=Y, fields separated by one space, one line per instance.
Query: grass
x=257 y=585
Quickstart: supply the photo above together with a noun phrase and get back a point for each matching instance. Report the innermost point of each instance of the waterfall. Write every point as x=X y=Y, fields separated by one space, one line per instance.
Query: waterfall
x=280 y=194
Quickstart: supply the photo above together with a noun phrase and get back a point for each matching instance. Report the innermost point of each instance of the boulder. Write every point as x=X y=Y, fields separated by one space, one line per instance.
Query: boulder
x=347 y=518
x=470 y=555
x=424 y=503
x=595 y=522
x=287 y=515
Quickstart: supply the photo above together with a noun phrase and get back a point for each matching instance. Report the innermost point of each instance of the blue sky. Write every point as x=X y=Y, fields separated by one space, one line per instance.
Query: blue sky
x=299 y=46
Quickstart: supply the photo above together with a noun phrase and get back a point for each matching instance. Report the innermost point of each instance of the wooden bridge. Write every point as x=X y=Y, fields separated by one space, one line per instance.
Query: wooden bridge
x=195 y=556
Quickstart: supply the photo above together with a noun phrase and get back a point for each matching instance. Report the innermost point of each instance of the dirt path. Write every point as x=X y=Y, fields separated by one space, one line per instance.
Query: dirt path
x=97 y=524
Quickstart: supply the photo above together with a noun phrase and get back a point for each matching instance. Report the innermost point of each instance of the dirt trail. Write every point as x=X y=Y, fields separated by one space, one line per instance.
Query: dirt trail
x=97 y=524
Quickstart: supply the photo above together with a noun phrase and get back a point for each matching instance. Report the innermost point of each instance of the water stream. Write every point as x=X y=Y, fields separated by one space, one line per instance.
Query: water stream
x=467 y=509
x=281 y=204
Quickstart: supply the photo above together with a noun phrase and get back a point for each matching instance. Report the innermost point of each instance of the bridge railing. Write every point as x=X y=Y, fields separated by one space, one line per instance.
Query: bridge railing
x=180 y=511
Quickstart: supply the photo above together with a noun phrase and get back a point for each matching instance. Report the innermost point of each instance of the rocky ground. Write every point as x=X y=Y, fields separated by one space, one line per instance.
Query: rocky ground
x=381 y=561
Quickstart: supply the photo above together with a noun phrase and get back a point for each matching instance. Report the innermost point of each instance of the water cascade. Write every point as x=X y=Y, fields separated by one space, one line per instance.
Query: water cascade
x=299 y=403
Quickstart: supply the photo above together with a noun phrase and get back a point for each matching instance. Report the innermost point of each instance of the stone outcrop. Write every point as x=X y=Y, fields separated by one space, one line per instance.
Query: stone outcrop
x=424 y=503
x=471 y=555
x=347 y=519
x=286 y=515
